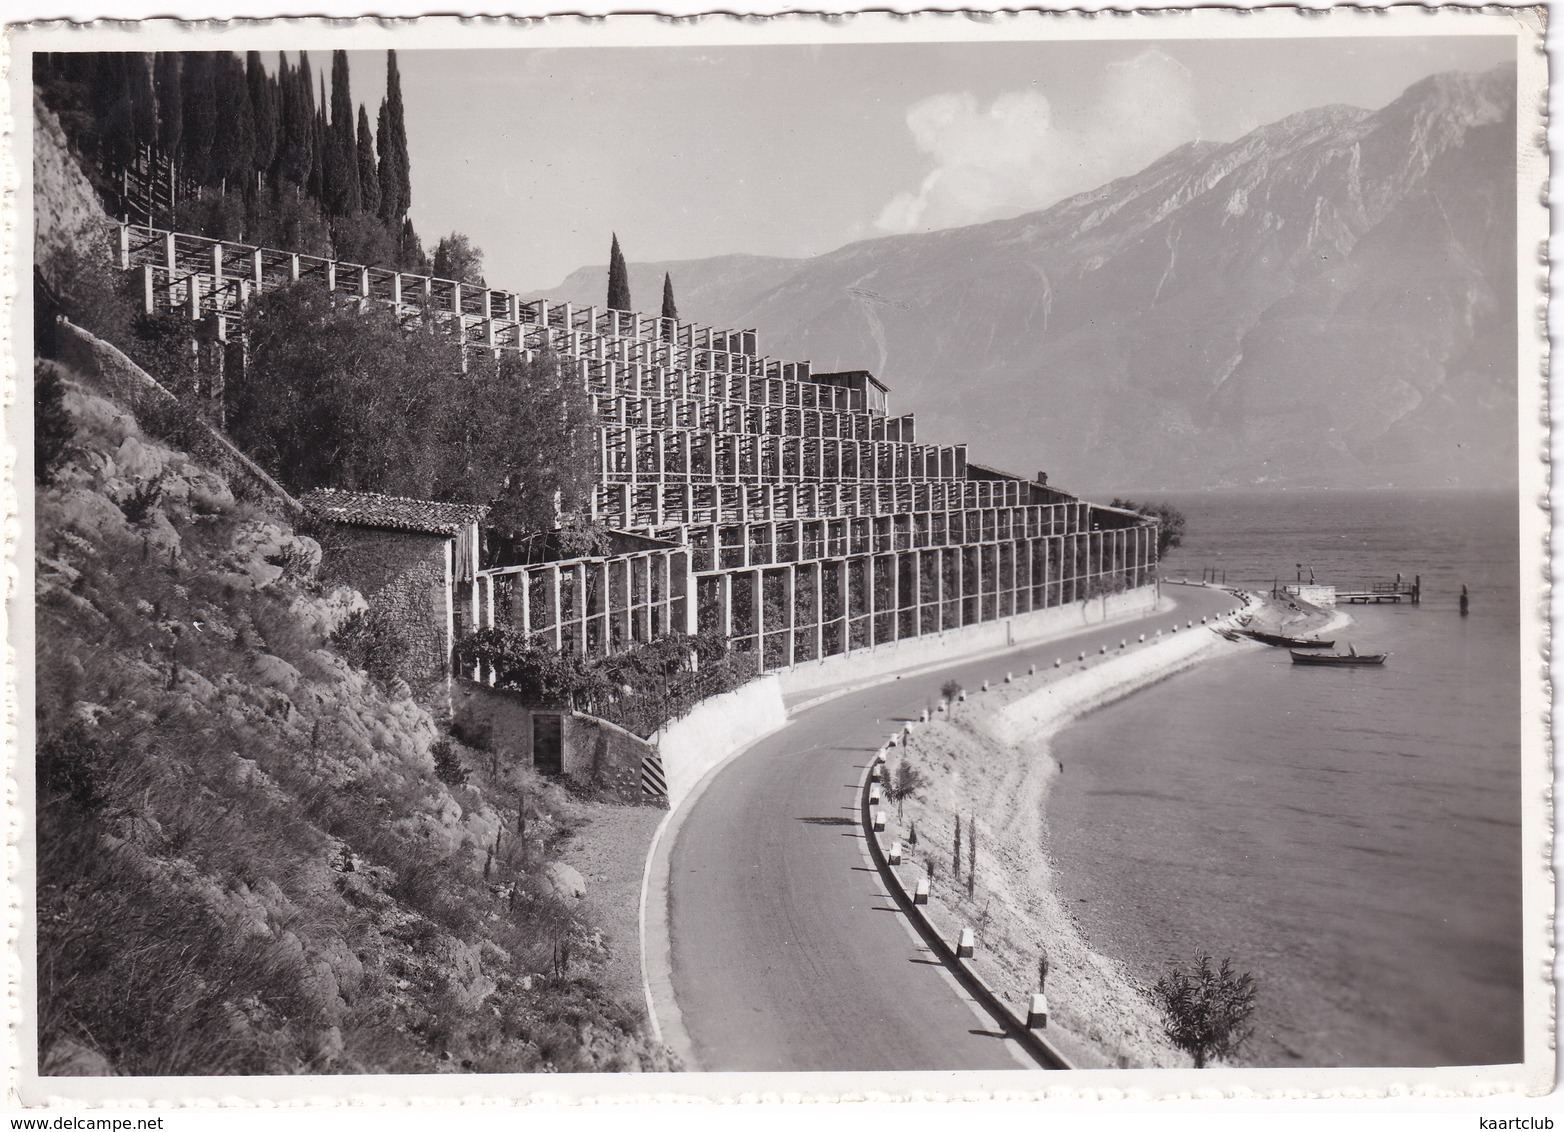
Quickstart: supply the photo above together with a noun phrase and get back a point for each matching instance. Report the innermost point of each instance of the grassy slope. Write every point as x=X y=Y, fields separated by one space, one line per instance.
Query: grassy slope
x=246 y=862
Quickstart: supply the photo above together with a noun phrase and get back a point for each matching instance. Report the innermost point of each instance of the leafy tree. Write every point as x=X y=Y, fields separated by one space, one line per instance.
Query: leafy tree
x=907 y=781
x=1204 y=1011
x=950 y=689
x=368 y=179
x=332 y=397
x=618 y=279
x=1170 y=522
x=455 y=257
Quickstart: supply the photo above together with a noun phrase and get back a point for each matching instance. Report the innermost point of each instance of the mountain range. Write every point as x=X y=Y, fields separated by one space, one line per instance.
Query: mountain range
x=1328 y=301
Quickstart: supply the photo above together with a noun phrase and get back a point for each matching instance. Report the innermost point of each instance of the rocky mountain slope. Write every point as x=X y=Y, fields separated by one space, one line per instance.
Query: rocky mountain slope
x=1327 y=301
x=251 y=858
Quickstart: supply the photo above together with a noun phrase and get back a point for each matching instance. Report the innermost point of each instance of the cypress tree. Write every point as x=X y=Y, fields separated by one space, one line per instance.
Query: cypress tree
x=170 y=104
x=233 y=143
x=143 y=99
x=111 y=96
x=618 y=279
x=368 y=176
x=320 y=146
x=200 y=112
x=395 y=169
x=263 y=105
x=385 y=169
x=342 y=188
x=293 y=125
x=670 y=308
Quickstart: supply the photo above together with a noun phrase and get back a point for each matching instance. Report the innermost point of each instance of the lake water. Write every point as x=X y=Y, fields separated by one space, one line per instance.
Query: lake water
x=1351 y=836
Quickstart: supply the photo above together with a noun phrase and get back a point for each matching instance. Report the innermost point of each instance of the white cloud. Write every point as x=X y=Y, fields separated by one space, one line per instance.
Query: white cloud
x=1013 y=156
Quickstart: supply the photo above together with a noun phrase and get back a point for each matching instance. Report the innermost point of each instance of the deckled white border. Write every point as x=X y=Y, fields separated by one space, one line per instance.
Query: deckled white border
x=577 y=31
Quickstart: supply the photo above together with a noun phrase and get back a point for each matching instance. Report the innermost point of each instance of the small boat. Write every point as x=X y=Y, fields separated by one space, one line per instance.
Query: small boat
x=1282 y=641
x=1351 y=657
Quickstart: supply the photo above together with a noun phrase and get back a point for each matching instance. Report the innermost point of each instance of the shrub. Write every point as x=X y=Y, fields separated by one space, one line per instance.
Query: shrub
x=368 y=640
x=141 y=501
x=1204 y=1011
x=73 y=764
x=448 y=766
x=52 y=425
x=641 y=688
x=950 y=689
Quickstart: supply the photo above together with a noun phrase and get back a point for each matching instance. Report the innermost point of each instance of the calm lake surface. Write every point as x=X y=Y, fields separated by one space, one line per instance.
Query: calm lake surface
x=1352 y=837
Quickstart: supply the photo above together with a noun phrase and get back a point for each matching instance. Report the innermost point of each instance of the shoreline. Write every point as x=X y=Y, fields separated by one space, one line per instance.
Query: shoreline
x=988 y=761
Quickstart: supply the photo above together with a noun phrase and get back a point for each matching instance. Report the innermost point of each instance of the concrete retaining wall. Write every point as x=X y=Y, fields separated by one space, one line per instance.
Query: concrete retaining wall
x=597 y=755
x=715 y=729
x=954 y=644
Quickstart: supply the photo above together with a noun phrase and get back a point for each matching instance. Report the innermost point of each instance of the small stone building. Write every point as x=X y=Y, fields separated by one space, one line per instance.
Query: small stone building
x=414 y=560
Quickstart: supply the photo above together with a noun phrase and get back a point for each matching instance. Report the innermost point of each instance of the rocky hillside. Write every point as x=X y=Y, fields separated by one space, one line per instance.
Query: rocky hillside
x=1328 y=301
x=252 y=858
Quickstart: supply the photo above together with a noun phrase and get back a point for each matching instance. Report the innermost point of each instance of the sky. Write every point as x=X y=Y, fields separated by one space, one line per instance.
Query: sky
x=539 y=156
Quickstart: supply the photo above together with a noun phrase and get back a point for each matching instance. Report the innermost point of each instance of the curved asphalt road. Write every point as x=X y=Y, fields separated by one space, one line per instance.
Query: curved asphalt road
x=786 y=953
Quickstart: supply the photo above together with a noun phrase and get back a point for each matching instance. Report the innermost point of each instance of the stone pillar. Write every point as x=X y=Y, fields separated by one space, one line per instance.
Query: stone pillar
x=551 y=587
x=790 y=607
x=725 y=605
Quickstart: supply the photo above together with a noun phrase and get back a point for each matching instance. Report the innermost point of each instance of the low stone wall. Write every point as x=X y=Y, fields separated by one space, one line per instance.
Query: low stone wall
x=954 y=644
x=1054 y=705
x=597 y=754
x=714 y=729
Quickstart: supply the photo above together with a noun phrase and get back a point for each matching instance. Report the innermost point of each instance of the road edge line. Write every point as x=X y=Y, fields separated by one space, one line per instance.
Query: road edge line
x=668 y=1027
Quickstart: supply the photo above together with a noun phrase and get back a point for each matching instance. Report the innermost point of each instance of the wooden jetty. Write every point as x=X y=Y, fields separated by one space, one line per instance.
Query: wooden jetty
x=1360 y=594
x=1376 y=592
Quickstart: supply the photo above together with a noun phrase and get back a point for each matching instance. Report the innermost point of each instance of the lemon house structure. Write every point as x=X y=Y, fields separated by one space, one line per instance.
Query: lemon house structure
x=788 y=510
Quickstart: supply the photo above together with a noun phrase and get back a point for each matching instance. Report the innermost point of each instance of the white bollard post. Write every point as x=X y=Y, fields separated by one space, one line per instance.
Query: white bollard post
x=1103 y=649
x=962 y=695
x=1175 y=628
x=985 y=685
x=1123 y=644
x=967 y=946
x=879 y=757
x=894 y=856
x=1189 y=624
x=1202 y=620
x=920 y=894
x=879 y=820
x=891 y=742
x=1143 y=638
x=874 y=795
x=1081 y=656
x=1037 y=1013
x=1057 y=662
x=923 y=716
x=1031 y=670
x=874 y=771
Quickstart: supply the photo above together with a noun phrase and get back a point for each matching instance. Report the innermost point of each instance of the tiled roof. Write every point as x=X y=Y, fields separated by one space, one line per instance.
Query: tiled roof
x=396 y=512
